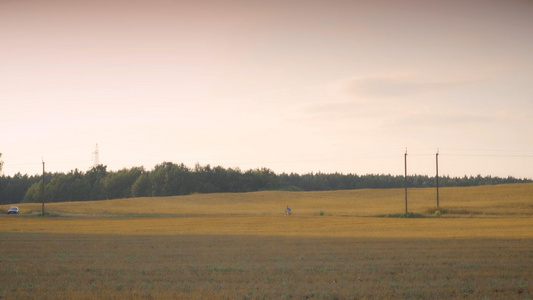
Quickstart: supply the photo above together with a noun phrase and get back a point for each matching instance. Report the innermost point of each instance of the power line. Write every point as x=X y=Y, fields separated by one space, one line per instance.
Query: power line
x=488 y=155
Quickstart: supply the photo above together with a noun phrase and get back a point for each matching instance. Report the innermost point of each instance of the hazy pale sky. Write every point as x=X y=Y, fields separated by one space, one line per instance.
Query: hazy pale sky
x=294 y=86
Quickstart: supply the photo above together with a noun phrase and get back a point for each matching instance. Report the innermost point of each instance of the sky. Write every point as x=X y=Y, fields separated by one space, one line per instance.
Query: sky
x=293 y=86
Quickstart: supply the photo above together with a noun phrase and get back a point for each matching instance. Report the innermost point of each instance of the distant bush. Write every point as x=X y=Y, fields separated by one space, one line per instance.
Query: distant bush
x=291 y=188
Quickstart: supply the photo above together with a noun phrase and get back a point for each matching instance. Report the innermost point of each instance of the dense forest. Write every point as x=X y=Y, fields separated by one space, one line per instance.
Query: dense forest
x=169 y=179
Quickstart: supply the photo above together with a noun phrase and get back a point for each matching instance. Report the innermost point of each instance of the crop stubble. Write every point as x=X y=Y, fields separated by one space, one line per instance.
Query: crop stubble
x=55 y=266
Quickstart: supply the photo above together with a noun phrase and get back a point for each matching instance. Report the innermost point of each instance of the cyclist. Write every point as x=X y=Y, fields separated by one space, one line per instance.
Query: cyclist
x=288 y=210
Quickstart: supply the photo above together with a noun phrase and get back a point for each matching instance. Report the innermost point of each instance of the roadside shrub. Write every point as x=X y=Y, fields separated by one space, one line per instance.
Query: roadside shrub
x=436 y=212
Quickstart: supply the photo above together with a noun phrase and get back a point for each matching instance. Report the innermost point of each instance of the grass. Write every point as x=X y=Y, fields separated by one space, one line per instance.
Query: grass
x=241 y=246
x=403 y=215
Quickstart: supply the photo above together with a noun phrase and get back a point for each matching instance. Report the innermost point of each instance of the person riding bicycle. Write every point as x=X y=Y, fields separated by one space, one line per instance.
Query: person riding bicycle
x=288 y=210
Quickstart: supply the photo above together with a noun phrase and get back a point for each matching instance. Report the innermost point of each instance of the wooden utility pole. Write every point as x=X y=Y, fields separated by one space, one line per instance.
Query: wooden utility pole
x=405 y=164
x=437 y=176
x=42 y=192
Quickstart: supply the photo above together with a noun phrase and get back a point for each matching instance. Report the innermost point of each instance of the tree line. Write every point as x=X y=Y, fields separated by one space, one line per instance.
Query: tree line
x=168 y=179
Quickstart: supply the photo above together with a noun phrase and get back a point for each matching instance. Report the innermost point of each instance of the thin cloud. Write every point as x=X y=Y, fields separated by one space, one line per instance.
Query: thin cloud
x=382 y=96
x=397 y=87
x=447 y=119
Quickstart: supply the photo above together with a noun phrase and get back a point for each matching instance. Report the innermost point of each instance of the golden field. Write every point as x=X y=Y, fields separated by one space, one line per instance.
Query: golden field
x=242 y=246
x=510 y=199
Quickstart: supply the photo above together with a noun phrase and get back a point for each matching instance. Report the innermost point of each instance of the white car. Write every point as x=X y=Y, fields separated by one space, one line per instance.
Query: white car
x=13 y=210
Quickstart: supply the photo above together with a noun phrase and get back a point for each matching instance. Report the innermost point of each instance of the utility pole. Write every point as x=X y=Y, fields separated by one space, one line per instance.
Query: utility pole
x=437 y=176
x=42 y=192
x=405 y=164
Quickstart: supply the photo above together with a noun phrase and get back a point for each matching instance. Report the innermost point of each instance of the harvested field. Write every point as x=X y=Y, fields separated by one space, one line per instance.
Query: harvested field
x=241 y=246
x=282 y=226
x=71 y=266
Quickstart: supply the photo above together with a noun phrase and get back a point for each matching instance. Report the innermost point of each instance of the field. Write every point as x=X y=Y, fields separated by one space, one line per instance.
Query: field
x=336 y=245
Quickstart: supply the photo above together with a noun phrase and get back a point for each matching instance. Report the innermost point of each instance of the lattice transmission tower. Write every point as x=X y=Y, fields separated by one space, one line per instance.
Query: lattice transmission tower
x=96 y=157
